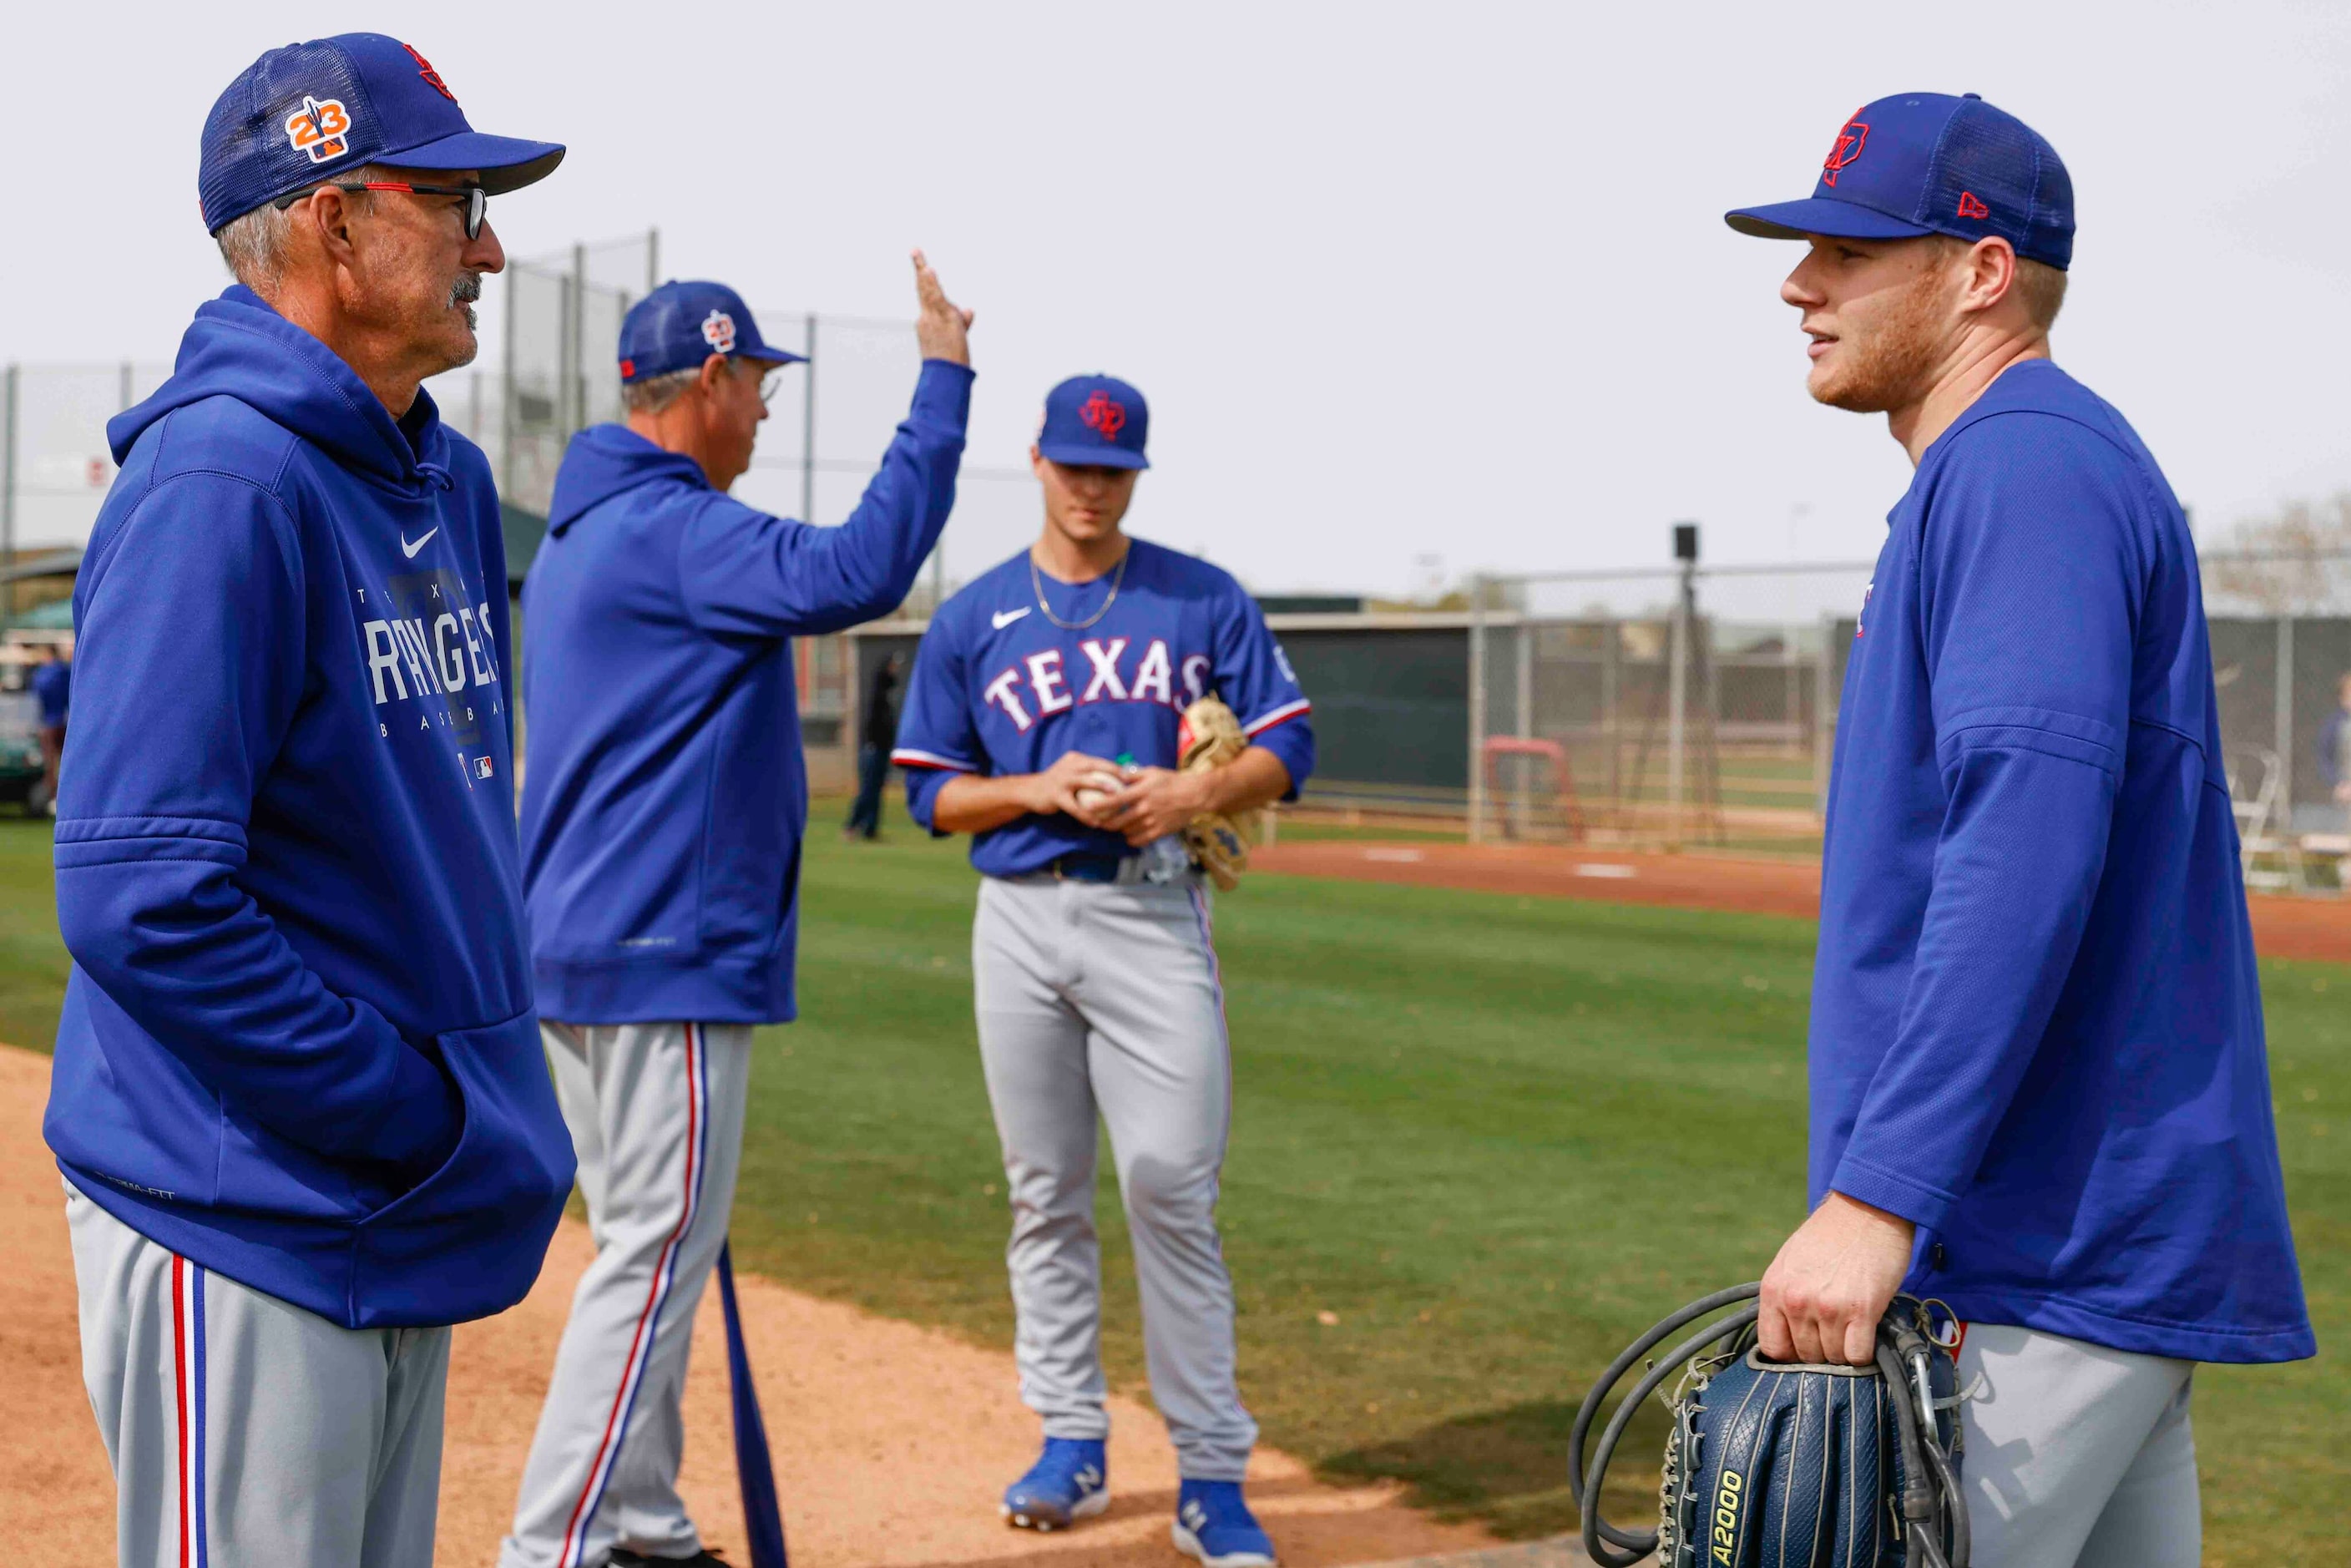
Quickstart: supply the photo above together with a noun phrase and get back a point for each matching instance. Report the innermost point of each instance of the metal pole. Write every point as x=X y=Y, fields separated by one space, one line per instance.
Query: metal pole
x=1478 y=708
x=807 y=427
x=652 y=259
x=1676 y=702
x=506 y=388
x=1522 y=647
x=1824 y=701
x=123 y=399
x=14 y=379
x=575 y=334
x=1612 y=652
x=938 y=575
x=2284 y=719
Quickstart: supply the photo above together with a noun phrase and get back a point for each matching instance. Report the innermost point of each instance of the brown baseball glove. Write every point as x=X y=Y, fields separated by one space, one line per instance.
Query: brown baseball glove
x=1211 y=737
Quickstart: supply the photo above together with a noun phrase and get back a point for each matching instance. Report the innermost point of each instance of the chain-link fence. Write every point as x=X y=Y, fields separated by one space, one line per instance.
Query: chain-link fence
x=1698 y=708
x=1683 y=705
x=548 y=368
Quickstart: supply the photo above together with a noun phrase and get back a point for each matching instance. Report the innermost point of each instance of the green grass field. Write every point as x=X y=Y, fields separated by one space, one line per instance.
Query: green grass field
x=1492 y=1137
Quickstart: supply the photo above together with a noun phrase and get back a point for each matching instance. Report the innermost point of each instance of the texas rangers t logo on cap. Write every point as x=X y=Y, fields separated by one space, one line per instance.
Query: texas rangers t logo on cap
x=1852 y=136
x=318 y=128
x=1102 y=415
x=424 y=69
x=718 y=331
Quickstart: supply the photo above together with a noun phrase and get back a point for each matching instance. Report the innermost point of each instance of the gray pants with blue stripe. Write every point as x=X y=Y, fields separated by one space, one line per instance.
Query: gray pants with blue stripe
x=245 y=1430
x=1102 y=1001
x=656 y=1117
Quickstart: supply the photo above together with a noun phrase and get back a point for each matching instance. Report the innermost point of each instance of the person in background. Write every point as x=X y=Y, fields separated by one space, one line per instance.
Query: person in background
x=52 y=687
x=664 y=812
x=2333 y=744
x=880 y=733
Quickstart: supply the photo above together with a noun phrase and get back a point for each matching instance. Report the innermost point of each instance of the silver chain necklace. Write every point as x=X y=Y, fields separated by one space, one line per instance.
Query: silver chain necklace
x=1037 y=582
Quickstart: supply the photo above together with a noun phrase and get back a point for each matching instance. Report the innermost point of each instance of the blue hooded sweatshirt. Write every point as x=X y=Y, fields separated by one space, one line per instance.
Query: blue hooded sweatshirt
x=664 y=795
x=2036 y=1018
x=298 y=1047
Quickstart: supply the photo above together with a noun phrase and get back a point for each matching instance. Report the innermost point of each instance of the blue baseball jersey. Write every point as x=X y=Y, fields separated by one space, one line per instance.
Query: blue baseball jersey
x=2036 y=1022
x=999 y=689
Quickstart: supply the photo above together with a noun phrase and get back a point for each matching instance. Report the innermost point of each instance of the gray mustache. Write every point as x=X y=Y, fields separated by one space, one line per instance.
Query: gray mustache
x=468 y=289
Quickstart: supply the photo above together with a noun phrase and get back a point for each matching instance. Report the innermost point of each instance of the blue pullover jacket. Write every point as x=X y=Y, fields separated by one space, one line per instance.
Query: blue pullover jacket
x=664 y=795
x=298 y=1046
x=2036 y=1021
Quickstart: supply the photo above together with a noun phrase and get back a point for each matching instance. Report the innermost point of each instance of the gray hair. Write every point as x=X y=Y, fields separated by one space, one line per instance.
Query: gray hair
x=655 y=394
x=255 y=246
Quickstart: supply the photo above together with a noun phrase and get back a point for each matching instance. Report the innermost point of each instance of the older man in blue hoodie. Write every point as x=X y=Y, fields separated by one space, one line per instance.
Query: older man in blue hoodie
x=298 y=1100
x=663 y=805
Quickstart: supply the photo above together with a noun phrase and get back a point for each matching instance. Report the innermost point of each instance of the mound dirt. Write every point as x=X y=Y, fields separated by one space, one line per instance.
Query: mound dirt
x=891 y=1441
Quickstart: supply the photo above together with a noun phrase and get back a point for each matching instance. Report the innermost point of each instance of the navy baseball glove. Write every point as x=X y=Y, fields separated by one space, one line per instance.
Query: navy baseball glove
x=1809 y=1467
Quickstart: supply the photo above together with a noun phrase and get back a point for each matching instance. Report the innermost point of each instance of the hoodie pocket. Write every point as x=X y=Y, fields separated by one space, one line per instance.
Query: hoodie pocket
x=468 y=1240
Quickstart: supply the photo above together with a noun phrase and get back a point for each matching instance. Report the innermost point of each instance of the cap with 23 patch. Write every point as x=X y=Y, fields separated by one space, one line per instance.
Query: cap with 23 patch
x=297 y=115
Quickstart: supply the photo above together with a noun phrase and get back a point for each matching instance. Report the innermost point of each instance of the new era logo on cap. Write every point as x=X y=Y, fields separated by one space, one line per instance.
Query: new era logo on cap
x=1926 y=162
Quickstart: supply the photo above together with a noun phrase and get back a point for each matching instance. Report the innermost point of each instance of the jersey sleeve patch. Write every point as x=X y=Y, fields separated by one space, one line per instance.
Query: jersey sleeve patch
x=908 y=756
x=1287 y=711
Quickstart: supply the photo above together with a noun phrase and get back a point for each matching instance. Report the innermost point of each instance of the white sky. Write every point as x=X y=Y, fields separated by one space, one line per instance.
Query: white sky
x=1398 y=281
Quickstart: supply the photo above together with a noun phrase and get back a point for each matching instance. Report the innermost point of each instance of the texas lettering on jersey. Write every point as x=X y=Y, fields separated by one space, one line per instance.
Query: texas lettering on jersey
x=1004 y=684
x=1110 y=675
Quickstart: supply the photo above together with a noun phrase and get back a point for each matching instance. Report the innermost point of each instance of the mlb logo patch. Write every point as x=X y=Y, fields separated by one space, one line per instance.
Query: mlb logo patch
x=718 y=331
x=320 y=128
x=482 y=768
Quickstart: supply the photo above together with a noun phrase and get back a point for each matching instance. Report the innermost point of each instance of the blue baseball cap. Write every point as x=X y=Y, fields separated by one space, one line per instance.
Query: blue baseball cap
x=1925 y=162
x=1095 y=422
x=679 y=325
x=297 y=114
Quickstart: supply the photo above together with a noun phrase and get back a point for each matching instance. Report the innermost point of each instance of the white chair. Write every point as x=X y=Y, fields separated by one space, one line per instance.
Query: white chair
x=2271 y=857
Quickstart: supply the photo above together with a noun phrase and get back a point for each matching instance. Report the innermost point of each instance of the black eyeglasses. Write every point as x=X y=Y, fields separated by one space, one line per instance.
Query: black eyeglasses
x=477 y=197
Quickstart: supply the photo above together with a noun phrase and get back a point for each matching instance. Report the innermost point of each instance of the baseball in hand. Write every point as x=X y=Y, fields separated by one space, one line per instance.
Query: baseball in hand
x=1096 y=788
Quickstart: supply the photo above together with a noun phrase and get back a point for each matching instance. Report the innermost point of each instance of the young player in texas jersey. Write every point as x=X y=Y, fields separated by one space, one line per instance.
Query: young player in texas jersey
x=1042 y=719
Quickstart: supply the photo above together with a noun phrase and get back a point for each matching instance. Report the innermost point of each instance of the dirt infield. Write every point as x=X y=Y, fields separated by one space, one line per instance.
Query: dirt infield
x=2283 y=927
x=891 y=1441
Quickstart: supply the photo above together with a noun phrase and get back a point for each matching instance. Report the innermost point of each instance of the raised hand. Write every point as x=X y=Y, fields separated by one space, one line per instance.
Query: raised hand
x=941 y=324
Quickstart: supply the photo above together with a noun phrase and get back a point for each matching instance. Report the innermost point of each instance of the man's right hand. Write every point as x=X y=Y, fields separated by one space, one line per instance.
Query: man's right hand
x=941 y=325
x=1056 y=788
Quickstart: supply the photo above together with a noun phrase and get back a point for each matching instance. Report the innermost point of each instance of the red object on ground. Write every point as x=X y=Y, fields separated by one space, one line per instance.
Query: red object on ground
x=1500 y=746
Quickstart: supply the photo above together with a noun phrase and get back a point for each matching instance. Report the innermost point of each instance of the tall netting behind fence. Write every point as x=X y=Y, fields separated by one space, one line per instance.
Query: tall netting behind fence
x=53 y=451
x=1658 y=707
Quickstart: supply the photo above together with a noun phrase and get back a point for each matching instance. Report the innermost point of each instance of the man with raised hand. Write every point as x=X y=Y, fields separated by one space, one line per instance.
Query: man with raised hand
x=2039 y=1087
x=662 y=812
x=298 y=1098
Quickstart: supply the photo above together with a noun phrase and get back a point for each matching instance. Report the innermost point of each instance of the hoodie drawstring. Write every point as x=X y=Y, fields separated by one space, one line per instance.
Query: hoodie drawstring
x=441 y=477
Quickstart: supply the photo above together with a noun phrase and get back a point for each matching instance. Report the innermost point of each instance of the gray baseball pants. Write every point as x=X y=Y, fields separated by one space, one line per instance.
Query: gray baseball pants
x=245 y=1430
x=1102 y=1000
x=2077 y=1456
x=656 y=1117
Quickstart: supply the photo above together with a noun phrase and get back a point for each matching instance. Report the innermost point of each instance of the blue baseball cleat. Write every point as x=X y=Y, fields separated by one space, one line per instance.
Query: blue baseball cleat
x=1213 y=1523
x=1070 y=1481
